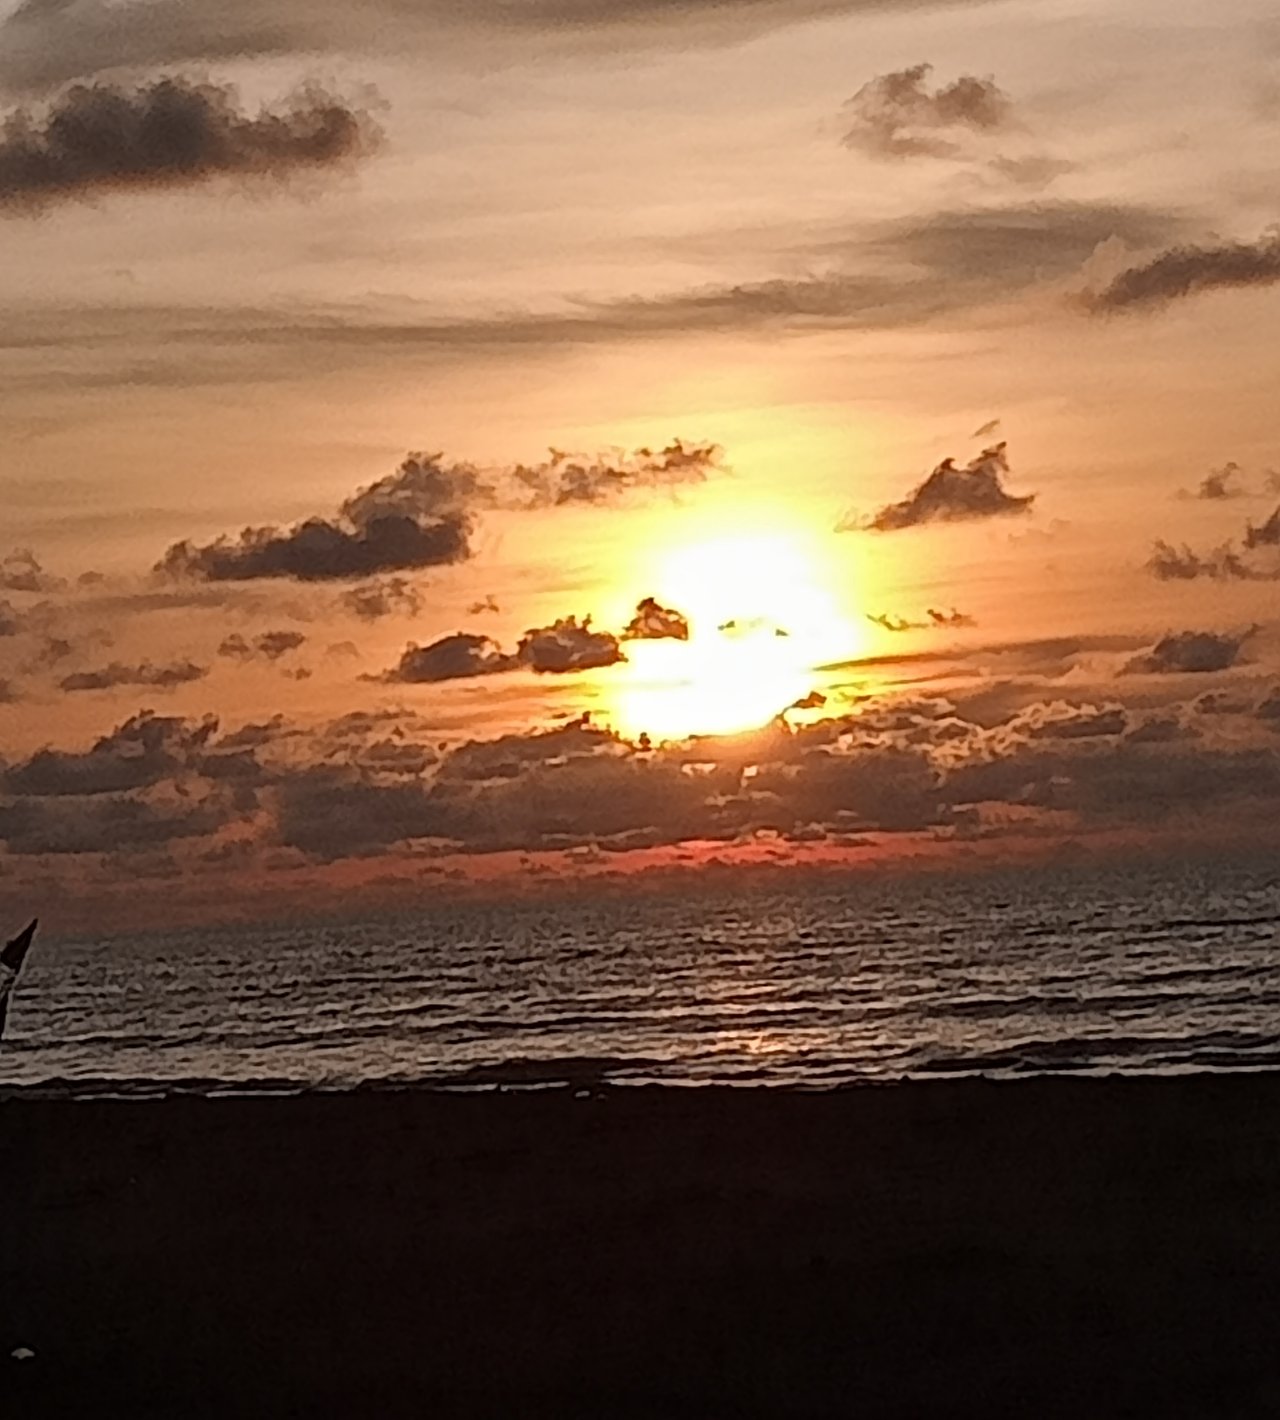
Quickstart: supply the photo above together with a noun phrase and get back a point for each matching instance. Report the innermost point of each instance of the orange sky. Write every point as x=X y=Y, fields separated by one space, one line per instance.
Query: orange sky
x=759 y=272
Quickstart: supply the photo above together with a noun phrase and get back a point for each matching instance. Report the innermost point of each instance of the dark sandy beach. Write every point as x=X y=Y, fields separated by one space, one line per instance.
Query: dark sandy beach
x=1061 y=1247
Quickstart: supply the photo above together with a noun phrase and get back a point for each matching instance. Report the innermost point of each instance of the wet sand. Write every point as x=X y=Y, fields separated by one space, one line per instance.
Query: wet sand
x=1063 y=1247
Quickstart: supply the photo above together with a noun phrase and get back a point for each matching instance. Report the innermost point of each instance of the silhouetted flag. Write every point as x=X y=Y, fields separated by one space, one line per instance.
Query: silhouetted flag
x=11 y=959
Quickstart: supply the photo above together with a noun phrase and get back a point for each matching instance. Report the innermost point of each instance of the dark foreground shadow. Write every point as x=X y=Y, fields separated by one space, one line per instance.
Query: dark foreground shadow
x=1044 y=1248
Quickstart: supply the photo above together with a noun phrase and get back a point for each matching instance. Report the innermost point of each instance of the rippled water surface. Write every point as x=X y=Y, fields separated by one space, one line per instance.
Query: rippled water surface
x=1039 y=971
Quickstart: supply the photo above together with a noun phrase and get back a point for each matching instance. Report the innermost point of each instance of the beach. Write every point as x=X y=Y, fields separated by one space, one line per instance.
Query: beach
x=1047 y=1247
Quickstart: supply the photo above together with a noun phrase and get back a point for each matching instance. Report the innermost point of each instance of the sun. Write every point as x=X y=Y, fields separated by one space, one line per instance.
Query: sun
x=761 y=616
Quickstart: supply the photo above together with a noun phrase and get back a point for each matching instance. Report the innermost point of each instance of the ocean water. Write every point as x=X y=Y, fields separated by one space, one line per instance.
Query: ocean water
x=829 y=982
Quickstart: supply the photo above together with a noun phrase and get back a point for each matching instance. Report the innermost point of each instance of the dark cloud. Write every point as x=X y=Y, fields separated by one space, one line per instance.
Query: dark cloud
x=1225 y=563
x=1219 y=702
x=1268 y=708
x=377 y=781
x=105 y=825
x=1182 y=564
x=1063 y=721
x=888 y=622
x=423 y=515
x=455 y=657
x=10 y=619
x=1188 y=270
x=489 y=603
x=1265 y=535
x=1220 y=483
x=1121 y=781
x=898 y=116
x=20 y=571
x=171 y=132
x=568 y=645
x=156 y=677
x=338 y=813
x=957 y=620
x=269 y=646
x=950 y=495
x=1191 y=652
x=953 y=619
x=1160 y=729
x=390 y=596
x=9 y=692
x=653 y=622
x=141 y=752
x=46 y=42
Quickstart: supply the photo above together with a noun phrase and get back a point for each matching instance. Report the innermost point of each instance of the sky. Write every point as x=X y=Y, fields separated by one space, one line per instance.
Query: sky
x=555 y=442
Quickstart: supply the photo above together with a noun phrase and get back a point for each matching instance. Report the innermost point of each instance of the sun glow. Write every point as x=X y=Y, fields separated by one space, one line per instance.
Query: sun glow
x=761 y=618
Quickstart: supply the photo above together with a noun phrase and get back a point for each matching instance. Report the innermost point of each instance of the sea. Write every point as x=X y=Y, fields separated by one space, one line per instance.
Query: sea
x=828 y=981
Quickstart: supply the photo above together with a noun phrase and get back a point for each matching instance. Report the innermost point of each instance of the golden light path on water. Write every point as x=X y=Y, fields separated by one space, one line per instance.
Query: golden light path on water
x=762 y=615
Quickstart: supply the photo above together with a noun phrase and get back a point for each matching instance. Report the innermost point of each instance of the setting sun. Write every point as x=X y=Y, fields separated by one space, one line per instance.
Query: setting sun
x=760 y=620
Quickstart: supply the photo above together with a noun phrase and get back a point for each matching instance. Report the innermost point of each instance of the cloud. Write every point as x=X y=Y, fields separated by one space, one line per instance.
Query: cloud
x=568 y=645
x=920 y=272
x=489 y=603
x=20 y=571
x=105 y=825
x=337 y=813
x=950 y=495
x=570 y=478
x=47 y=42
x=897 y=116
x=656 y=623
x=142 y=751
x=270 y=646
x=168 y=133
x=1268 y=708
x=10 y=619
x=390 y=596
x=420 y=516
x=157 y=677
x=888 y=622
x=423 y=515
x=1182 y=564
x=1265 y=535
x=455 y=657
x=1191 y=652
x=1223 y=564
x=1062 y=721
x=1187 y=271
x=1219 y=483
x=953 y=618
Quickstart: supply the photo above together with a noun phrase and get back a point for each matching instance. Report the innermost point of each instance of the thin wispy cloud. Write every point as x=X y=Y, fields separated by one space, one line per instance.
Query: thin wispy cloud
x=898 y=116
x=1189 y=271
x=166 y=676
x=46 y=42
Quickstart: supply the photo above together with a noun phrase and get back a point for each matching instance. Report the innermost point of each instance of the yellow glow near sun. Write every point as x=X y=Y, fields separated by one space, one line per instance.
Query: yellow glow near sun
x=761 y=616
